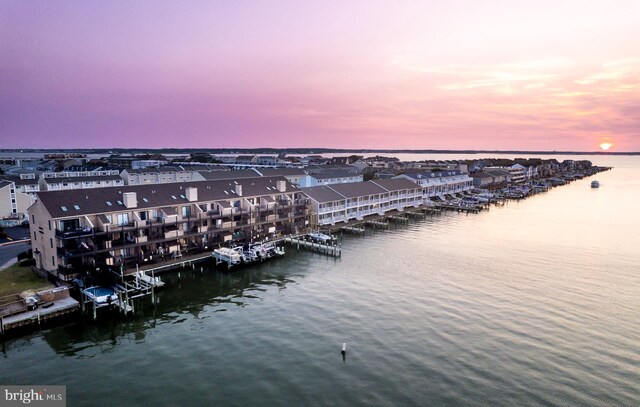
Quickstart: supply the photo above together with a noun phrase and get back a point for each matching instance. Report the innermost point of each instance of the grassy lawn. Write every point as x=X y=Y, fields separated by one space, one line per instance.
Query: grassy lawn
x=16 y=279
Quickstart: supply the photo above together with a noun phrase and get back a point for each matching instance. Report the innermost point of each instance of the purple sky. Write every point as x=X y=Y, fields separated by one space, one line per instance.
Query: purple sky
x=457 y=74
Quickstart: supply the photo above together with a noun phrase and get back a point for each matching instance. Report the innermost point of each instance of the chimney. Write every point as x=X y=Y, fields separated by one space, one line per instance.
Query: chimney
x=281 y=186
x=238 y=189
x=191 y=193
x=130 y=200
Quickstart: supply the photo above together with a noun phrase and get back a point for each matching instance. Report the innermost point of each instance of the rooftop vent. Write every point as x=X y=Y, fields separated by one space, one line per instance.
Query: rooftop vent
x=192 y=194
x=130 y=199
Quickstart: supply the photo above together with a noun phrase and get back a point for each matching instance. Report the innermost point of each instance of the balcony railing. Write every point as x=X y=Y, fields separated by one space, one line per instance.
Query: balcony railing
x=68 y=234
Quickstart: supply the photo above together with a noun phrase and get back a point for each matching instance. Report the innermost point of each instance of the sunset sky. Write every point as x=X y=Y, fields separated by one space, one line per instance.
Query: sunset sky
x=455 y=74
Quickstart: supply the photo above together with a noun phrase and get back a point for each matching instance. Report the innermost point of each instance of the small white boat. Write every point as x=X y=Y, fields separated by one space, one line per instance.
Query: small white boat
x=273 y=250
x=320 y=237
x=595 y=184
x=227 y=255
x=101 y=295
x=152 y=281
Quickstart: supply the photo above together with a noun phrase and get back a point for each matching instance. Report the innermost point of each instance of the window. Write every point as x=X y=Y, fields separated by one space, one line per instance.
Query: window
x=122 y=219
x=186 y=211
x=35 y=237
x=143 y=215
x=49 y=225
x=76 y=207
x=145 y=199
x=69 y=224
x=53 y=260
x=120 y=203
x=109 y=203
x=33 y=218
x=51 y=242
x=173 y=196
x=64 y=208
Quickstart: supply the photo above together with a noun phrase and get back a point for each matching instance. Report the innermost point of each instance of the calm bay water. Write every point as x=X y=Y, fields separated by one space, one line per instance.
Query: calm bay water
x=533 y=303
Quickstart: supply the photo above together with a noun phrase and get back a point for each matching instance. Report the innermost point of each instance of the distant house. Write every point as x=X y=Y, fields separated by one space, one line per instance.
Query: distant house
x=329 y=177
x=500 y=176
x=8 y=204
x=293 y=175
x=140 y=164
x=13 y=204
x=69 y=183
x=246 y=159
x=162 y=175
x=267 y=160
x=25 y=183
x=481 y=179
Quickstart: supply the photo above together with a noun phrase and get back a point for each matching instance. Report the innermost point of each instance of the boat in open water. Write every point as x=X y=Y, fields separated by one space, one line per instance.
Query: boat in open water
x=595 y=184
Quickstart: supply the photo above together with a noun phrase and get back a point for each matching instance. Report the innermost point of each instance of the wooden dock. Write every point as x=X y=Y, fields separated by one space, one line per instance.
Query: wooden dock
x=459 y=208
x=40 y=315
x=186 y=262
x=355 y=229
x=377 y=224
x=398 y=219
x=329 y=249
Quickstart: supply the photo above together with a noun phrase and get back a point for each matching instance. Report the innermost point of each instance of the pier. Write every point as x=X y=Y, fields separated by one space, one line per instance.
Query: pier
x=355 y=229
x=333 y=250
x=53 y=304
x=398 y=219
x=460 y=208
x=377 y=224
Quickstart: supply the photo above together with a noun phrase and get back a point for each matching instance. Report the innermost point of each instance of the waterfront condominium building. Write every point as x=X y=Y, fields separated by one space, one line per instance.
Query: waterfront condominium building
x=120 y=228
x=344 y=202
x=439 y=183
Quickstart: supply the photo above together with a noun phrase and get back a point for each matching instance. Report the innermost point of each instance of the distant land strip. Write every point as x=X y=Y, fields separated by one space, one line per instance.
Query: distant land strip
x=302 y=151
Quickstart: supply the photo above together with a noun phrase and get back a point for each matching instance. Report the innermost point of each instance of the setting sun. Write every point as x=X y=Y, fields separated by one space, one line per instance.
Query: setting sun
x=605 y=146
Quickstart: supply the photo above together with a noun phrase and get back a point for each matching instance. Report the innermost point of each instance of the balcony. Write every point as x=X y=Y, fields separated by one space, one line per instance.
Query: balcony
x=268 y=218
x=141 y=239
x=172 y=233
x=73 y=233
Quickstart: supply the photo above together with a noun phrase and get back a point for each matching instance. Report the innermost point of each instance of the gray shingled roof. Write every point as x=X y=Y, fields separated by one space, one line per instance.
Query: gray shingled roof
x=357 y=189
x=94 y=200
x=236 y=174
x=19 y=181
x=83 y=179
x=270 y=172
x=338 y=173
x=322 y=194
x=396 y=184
x=480 y=175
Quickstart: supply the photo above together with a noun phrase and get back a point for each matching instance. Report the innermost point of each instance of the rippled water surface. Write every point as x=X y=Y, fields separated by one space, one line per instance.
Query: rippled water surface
x=534 y=303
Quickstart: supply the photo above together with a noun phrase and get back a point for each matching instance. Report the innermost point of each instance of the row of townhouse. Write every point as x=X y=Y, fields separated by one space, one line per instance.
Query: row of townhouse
x=491 y=178
x=121 y=227
x=163 y=175
x=76 y=182
x=335 y=203
x=439 y=183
